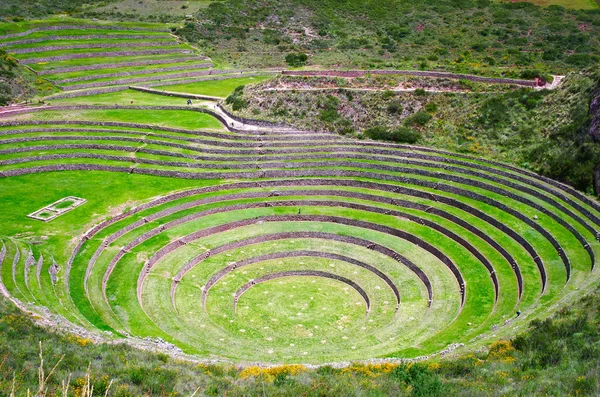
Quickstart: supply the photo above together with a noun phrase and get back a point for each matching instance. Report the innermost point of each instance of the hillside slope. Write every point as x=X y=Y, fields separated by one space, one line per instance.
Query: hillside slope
x=462 y=35
x=17 y=9
x=18 y=83
x=546 y=131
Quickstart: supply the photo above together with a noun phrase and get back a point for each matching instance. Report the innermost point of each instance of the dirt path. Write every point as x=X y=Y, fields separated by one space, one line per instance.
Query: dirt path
x=556 y=80
x=240 y=125
x=283 y=89
x=8 y=110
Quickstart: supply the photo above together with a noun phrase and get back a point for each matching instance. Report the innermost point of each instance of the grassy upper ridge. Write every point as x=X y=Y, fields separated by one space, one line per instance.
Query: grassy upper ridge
x=468 y=36
x=555 y=357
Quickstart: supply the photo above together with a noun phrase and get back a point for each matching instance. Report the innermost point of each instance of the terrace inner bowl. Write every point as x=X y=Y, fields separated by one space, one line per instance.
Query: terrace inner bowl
x=293 y=307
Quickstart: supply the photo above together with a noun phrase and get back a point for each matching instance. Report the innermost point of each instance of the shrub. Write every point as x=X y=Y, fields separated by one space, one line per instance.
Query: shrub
x=405 y=135
x=431 y=107
x=137 y=375
x=531 y=74
x=423 y=381
x=387 y=94
x=501 y=350
x=395 y=107
x=271 y=37
x=419 y=119
x=271 y=374
x=326 y=370
x=479 y=47
x=377 y=133
x=330 y=114
x=163 y=357
x=400 y=135
x=296 y=60
x=236 y=99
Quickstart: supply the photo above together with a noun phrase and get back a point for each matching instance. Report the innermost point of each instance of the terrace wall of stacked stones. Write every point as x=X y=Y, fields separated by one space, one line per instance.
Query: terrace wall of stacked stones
x=97 y=53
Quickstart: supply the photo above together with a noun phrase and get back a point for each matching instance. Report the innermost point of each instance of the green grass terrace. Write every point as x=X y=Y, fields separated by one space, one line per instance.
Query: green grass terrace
x=276 y=245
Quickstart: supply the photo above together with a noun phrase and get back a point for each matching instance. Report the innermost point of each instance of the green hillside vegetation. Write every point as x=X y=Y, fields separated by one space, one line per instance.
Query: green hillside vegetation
x=36 y=8
x=555 y=357
x=468 y=36
x=575 y=4
x=17 y=83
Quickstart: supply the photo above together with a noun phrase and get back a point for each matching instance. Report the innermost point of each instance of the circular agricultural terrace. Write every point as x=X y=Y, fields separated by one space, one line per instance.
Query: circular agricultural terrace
x=313 y=248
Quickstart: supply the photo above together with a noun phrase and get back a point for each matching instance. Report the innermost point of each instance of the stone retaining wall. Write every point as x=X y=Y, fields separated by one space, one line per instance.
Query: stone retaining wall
x=109 y=131
x=75 y=94
x=297 y=218
x=295 y=254
x=93 y=45
x=14 y=264
x=83 y=37
x=174 y=94
x=404 y=170
x=53 y=270
x=279 y=174
x=134 y=72
x=258 y=141
x=119 y=65
x=39 y=266
x=2 y=253
x=350 y=164
x=29 y=262
x=213 y=78
x=361 y=73
x=107 y=54
x=286 y=235
x=387 y=230
x=448 y=188
x=105 y=107
x=76 y=27
x=158 y=79
x=188 y=218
